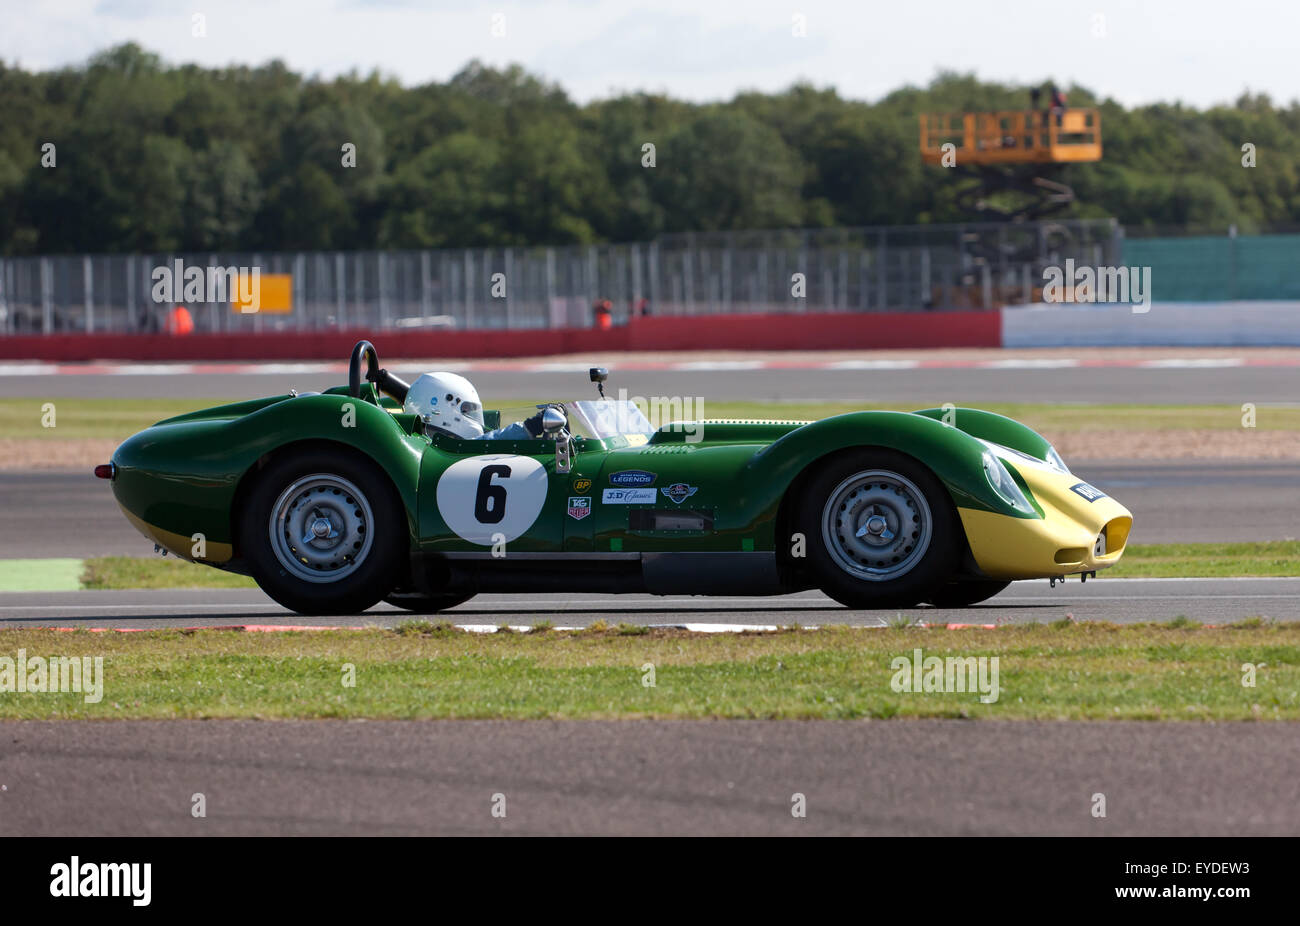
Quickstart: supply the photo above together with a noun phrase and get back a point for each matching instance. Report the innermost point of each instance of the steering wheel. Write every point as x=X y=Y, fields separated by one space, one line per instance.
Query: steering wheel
x=374 y=373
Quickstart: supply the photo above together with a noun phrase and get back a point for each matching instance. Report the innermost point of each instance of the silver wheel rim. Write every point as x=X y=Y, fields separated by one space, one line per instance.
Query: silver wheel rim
x=877 y=525
x=321 y=528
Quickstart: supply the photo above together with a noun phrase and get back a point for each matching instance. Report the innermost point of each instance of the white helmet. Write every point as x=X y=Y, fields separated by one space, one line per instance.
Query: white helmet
x=447 y=402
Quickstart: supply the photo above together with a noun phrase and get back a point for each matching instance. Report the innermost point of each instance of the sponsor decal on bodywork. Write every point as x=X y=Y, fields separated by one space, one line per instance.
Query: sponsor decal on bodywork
x=579 y=506
x=628 y=496
x=679 y=491
x=632 y=477
x=1084 y=490
x=581 y=484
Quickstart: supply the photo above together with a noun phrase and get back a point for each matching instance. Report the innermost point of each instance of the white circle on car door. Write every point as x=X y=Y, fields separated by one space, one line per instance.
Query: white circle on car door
x=496 y=494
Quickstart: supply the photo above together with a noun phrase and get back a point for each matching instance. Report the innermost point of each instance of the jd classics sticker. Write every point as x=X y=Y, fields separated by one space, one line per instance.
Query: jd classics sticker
x=628 y=496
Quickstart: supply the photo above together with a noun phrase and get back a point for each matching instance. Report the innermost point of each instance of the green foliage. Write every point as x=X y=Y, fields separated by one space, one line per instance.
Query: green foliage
x=153 y=157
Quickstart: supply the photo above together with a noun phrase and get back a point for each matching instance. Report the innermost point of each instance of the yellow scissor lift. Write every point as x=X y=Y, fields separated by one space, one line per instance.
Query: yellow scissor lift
x=1012 y=151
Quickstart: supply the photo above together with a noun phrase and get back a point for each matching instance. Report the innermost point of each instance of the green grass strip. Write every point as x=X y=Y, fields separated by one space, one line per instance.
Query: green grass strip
x=40 y=575
x=1178 y=672
x=1208 y=560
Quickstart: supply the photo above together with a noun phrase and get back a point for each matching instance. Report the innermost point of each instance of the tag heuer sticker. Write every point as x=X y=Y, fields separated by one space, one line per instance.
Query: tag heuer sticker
x=632 y=477
x=679 y=491
x=579 y=506
x=628 y=496
x=1087 y=491
x=581 y=484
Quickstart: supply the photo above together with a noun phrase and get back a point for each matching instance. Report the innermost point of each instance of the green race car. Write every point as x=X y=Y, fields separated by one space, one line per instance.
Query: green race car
x=337 y=500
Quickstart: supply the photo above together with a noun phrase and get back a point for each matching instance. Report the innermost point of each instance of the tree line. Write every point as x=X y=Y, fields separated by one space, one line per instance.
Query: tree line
x=127 y=153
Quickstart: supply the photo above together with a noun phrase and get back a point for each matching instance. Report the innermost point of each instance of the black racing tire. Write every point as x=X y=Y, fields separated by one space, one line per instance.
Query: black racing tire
x=364 y=546
x=965 y=592
x=911 y=544
x=427 y=604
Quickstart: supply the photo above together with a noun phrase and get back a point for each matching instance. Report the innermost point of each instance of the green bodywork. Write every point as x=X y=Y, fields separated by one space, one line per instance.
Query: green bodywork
x=187 y=475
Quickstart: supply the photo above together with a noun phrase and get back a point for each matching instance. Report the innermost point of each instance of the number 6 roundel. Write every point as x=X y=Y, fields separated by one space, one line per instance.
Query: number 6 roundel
x=480 y=497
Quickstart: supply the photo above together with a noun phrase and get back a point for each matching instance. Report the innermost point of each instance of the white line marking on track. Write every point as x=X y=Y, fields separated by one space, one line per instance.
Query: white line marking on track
x=28 y=369
x=873 y=365
x=711 y=366
x=1193 y=363
x=1050 y=363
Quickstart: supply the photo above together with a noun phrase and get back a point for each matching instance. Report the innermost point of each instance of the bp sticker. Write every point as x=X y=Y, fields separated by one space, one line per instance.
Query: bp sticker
x=494 y=494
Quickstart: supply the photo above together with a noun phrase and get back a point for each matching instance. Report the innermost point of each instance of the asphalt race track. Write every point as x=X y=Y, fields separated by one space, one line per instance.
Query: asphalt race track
x=737 y=777
x=1212 y=601
x=1174 y=384
x=74 y=514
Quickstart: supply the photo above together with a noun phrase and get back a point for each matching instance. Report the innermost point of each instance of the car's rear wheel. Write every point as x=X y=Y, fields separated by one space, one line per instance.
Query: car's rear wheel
x=880 y=529
x=966 y=592
x=426 y=604
x=324 y=532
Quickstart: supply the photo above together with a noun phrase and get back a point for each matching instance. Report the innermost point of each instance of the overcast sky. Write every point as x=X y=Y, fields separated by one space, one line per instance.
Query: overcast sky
x=1198 y=51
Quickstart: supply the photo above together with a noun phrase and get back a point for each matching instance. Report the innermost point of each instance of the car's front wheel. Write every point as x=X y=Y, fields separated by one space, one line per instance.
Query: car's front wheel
x=324 y=532
x=879 y=528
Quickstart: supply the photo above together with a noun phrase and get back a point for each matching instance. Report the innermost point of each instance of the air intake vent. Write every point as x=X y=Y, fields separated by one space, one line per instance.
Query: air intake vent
x=662 y=519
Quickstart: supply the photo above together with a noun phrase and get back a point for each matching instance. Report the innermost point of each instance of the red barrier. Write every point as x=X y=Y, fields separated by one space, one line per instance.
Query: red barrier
x=821 y=331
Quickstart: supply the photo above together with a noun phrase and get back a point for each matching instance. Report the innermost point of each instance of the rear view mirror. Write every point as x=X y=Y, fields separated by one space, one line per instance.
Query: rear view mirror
x=598 y=376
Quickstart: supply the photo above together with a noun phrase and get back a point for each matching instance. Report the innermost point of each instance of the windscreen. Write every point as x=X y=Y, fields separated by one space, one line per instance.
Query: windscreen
x=608 y=418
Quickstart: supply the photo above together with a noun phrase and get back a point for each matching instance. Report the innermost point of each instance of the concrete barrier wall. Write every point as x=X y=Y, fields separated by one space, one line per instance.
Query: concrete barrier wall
x=820 y=331
x=1166 y=324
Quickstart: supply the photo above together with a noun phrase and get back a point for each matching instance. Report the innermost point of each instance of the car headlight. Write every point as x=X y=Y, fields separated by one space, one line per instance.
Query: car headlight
x=1054 y=460
x=1004 y=485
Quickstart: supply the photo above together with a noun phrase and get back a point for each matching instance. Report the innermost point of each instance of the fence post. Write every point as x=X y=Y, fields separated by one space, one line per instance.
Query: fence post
x=550 y=288
x=510 y=283
x=1232 y=262
x=634 y=255
x=359 y=281
x=214 y=310
x=726 y=278
x=258 y=324
x=131 y=318
x=381 y=271
x=298 y=291
x=688 y=281
x=882 y=294
x=340 y=281
x=426 y=296
x=654 y=276
x=469 y=299
x=87 y=292
x=926 y=301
